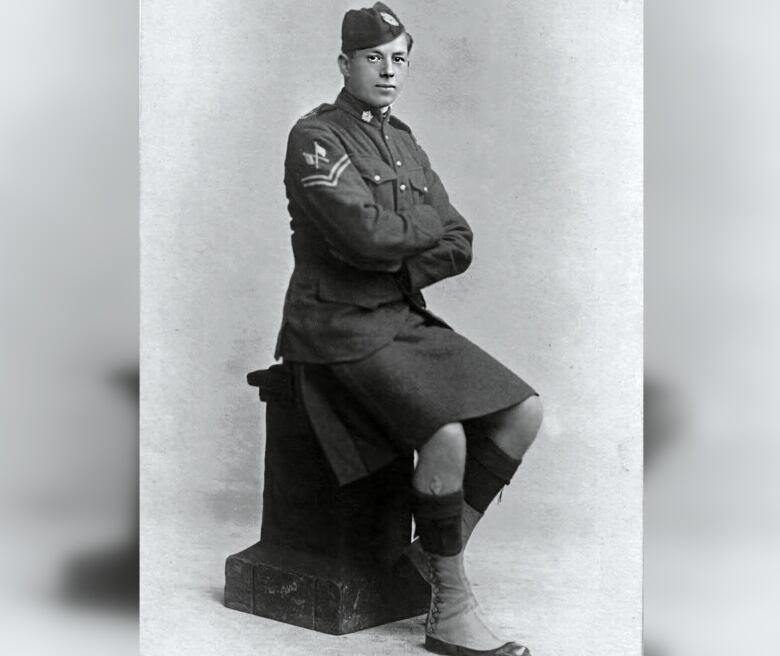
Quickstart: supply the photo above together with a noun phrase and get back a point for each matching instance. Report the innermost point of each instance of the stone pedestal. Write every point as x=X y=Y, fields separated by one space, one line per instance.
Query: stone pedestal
x=328 y=558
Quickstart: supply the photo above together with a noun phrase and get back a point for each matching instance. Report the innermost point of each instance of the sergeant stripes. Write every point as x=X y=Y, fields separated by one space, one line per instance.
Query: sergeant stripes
x=330 y=180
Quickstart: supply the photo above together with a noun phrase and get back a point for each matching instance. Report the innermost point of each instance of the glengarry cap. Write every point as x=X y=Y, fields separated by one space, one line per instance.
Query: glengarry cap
x=366 y=28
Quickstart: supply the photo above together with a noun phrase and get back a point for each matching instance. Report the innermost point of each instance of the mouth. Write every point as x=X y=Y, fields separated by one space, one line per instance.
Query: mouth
x=385 y=86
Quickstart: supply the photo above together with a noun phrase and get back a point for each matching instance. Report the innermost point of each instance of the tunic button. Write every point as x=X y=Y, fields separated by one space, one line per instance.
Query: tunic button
x=377 y=178
x=403 y=187
x=425 y=188
x=398 y=163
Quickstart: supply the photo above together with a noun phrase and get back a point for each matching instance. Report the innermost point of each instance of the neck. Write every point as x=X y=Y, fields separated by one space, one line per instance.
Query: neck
x=365 y=105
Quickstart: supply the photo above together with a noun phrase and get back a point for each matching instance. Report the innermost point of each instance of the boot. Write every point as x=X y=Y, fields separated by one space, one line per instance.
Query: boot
x=455 y=623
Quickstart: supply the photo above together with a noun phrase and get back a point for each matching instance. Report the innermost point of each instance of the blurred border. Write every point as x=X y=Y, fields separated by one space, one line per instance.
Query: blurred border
x=69 y=291
x=711 y=280
x=69 y=285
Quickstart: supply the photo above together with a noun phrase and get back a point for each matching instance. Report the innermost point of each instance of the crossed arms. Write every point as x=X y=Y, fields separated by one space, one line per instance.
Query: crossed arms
x=425 y=243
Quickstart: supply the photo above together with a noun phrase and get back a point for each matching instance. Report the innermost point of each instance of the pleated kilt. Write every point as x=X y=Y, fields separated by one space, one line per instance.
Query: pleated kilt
x=428 y=376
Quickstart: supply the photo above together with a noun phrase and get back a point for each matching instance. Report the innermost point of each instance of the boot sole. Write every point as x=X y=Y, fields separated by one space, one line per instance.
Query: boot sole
x=439 y=647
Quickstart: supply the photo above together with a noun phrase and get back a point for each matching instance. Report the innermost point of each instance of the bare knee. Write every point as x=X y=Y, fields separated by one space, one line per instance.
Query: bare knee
x=442 y=460
x=516 y=427
x=447 y=443
x=530 y=414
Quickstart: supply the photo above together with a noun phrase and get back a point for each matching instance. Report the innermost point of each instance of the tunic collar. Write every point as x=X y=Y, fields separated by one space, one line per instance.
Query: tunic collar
x=370 y=115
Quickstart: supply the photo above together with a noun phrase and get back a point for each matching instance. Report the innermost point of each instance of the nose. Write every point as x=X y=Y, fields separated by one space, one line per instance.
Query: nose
x=387 y=69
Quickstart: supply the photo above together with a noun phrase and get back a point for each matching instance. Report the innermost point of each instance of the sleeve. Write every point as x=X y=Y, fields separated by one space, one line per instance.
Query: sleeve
x=359 y=231
x=451 y=255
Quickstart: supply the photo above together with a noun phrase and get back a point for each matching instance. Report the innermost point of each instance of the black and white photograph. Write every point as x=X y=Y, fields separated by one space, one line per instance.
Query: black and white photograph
x=391 y=328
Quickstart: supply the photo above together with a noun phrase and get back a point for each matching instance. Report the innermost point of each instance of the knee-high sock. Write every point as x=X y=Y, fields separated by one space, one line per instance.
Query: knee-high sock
x=488 y=470
x=438 y=520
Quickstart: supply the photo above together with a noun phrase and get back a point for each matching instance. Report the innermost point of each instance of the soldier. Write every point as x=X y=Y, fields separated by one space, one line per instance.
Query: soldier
x=372 y=226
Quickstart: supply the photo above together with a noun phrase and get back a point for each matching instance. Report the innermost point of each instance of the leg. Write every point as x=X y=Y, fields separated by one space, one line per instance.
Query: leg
x=455 y=624
x=441 y=462
x=437 y=493
x=492 y=461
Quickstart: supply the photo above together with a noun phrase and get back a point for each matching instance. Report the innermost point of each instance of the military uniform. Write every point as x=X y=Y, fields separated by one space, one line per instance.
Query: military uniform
x=372 y=226
x=377 y=372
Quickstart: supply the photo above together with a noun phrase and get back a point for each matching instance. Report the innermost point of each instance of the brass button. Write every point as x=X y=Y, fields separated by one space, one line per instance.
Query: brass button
x=377 y=178
x=425 y=188
x=398 y=162
x=403 y=187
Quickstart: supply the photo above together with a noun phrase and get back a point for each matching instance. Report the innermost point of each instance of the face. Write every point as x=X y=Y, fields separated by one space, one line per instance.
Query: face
x=377 y=75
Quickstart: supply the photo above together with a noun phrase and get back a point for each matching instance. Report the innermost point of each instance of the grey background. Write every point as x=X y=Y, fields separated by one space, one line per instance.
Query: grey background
x=532 y=115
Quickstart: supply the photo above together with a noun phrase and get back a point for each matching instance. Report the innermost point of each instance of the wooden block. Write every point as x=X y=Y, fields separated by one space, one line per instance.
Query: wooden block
x=239 y=583
x=321 y=593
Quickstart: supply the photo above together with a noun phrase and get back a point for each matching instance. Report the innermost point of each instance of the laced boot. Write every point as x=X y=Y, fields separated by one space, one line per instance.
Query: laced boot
x=455 y=623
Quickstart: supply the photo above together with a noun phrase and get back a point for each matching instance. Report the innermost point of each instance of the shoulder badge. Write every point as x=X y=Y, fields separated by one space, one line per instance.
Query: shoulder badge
x=319 y=155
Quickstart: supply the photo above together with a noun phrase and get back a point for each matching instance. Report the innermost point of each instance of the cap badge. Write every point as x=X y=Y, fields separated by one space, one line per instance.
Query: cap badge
x=367 y=116
x=388 y=18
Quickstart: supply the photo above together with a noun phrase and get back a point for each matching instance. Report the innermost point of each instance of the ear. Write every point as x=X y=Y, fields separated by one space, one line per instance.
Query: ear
x=344 y=64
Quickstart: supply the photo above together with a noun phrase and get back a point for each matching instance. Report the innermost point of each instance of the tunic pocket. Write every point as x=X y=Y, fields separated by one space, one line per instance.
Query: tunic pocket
x=379 y=177
x=418 y=184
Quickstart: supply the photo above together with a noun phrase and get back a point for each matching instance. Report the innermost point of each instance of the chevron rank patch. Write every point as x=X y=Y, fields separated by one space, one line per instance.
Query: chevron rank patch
x=330 y=179
x=319 y=155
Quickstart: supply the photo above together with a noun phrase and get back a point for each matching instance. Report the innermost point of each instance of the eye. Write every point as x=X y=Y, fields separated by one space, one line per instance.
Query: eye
x=373 y=58
x=399 y=59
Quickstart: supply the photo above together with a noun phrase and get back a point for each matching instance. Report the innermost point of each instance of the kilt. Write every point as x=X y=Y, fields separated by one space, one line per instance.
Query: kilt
x=368 y=412
x=428 y=376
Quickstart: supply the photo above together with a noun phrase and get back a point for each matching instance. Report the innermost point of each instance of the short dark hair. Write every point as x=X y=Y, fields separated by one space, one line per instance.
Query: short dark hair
x=409 y=43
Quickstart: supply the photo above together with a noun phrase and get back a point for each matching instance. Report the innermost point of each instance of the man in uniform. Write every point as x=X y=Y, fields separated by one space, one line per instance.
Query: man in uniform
x=373 y=225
